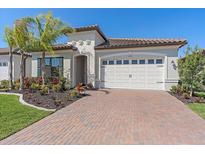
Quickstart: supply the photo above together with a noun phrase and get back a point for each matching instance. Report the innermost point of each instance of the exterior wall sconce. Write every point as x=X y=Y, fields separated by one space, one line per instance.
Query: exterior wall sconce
x=174 y=65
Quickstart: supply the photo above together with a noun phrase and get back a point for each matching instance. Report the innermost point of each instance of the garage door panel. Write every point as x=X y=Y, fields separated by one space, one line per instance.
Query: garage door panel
x=137 y=76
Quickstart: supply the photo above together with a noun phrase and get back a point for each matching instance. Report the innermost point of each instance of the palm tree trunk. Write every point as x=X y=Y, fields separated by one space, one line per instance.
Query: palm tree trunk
x=43 y=68
x=22 y=72
x=10 y=69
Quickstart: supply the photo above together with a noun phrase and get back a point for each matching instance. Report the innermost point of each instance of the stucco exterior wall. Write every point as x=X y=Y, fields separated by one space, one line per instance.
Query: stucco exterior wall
x=16 y=66
x=67 y=61
x=17 y=61
x=85 y=43
x=169 y=54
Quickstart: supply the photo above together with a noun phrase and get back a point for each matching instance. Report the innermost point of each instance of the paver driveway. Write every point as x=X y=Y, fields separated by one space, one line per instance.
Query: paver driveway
x=117 y=117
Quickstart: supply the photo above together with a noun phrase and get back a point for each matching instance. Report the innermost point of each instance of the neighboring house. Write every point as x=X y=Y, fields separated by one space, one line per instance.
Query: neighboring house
x=131 y=63
x=4 y=65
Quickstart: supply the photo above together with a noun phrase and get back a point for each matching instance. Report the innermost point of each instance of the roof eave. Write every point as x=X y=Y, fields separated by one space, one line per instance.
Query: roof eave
x=140 y=46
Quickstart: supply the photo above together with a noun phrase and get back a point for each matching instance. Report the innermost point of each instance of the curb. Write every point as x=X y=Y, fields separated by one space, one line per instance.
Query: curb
x=25 y=103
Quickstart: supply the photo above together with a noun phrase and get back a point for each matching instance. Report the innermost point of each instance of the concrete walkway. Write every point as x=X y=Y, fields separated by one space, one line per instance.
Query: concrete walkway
x=117 y=117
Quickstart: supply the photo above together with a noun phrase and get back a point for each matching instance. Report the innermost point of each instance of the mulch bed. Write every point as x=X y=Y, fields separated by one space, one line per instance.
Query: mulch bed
x=53 y=100
x=192 y=99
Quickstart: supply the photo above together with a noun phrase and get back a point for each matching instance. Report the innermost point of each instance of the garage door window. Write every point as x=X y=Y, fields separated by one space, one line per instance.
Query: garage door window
x=125 y=61
x=3 y=64
x=150 y=61
x=134 y=61
x=142 y=61
x=119 y=62
x=111 y=62
x=104 y=62
x=159 y=61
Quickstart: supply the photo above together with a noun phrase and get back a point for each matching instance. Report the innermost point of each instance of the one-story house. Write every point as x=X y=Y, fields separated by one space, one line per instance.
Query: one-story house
x=130 y=63
x=4 y=65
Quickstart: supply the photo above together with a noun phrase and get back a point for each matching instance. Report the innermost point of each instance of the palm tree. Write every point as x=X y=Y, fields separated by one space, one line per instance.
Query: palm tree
x=24 y=42
x=9 y=38
x=47 y=30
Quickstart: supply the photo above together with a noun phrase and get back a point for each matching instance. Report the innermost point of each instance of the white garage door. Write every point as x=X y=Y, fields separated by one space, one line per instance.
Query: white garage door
x=4 y=70
x=133 y=74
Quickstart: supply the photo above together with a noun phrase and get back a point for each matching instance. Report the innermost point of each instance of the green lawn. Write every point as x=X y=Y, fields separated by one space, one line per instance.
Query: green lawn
x=15 y=116
x=198 y=108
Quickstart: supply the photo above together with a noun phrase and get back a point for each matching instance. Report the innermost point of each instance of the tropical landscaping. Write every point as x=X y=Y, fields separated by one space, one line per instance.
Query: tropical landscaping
x=38 y=34
x=191 y=87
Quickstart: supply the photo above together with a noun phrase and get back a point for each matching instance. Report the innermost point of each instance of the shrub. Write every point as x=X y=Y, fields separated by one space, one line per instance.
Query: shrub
x=63 y=83
x=185 y=89
x=35 y=86
x=55 y=81
x=44 y=90
x=185 y=96
x=56 y=87
x=179 y=89
x=173 y=89
x=27 y=82
x=17 y=84
x=73 y=94
x=4 y=84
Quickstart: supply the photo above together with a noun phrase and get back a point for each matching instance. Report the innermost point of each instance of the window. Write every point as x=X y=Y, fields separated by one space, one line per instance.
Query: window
x=111 y=62
x=159 y=61
x=0 y=64
x=104 y=63
x=125 y=61
x=118 y=62
x=53 y=67
x=142 y=61
x=134 y=61
x=150 y=61
x=5 y=64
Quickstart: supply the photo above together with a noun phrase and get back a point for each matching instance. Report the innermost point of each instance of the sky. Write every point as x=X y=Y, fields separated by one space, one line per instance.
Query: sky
x=125 y=23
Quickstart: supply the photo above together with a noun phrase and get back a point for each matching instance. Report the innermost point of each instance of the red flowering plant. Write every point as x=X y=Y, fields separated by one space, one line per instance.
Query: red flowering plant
x=39 y=80
x=55 y=81
x=27 y=83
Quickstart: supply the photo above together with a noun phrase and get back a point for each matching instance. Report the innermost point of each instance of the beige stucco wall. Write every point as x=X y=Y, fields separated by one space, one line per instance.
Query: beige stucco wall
x=16 y=63
x=67 y=61
x=85 y=43
x=16 y=66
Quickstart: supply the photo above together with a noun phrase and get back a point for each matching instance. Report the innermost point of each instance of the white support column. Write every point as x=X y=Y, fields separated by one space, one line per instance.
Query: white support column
x=99 y=73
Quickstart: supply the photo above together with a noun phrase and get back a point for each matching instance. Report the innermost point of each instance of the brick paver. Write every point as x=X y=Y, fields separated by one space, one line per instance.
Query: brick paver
x=117 y=117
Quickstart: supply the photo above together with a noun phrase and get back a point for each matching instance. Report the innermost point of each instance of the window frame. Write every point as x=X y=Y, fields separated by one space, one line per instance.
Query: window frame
x=104 y=61
x=39 y=71
x=161 y=61
x=125 y=63
x=135 y=61
x=150 y=60
x=111 y=61
x=118 y=61
x=142 y=60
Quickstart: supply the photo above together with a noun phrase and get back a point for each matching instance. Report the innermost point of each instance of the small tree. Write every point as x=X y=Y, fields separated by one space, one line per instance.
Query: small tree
x=191 y=69
x=9 y=38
